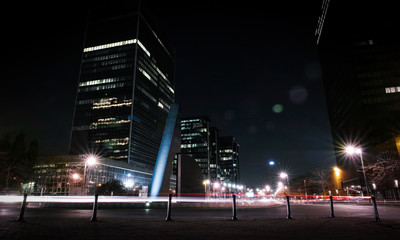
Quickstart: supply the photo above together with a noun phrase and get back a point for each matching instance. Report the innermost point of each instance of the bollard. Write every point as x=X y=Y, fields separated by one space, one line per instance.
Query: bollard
x=289 y=215
x=94 y=214
x=234 y=218
x=332 y=213
x=22 y=211
x=168 y=218
x=377 y=219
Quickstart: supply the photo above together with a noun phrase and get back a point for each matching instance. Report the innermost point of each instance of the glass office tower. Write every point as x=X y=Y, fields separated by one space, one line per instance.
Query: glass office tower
x=126 y=86
x=229 y=159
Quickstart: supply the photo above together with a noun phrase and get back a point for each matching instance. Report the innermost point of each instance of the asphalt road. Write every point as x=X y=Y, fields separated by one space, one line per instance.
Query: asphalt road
x=11 y=211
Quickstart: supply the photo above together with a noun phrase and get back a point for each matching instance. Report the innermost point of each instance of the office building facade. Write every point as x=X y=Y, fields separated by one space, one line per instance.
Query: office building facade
x=126 y=86
x=195 y=142
x=228 y=150
x=360 y=62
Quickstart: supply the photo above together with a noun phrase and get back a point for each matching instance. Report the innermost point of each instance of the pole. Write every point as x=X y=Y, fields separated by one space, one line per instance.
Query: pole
x=22 y=211
x=234 y=218
x=332 y=212
x=94 y=214
x=168 y=218
x=377 y=219
x=305 y=189
x=289 y=215
x=365 y=177
x=84 y=180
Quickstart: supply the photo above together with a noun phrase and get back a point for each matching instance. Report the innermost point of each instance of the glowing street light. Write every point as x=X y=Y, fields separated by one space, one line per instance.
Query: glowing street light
x=75 y=176
x=337 y=171
x=284 y=175
x=90 y=161
x=351 y=150
x=206 y=183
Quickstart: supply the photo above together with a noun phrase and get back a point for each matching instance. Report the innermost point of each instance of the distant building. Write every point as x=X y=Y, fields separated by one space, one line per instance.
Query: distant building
x=195 y=142
x=218 y=157
x=68 y=175
x=360 y=62
x=126 y=86
x=228 y=151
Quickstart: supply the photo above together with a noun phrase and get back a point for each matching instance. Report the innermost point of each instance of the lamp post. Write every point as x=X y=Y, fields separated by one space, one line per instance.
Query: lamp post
x=90 y=161
x=284 y=175
x=352 y=150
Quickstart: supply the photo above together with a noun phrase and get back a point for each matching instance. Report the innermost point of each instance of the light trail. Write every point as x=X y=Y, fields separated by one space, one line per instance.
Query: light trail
x=241 y=198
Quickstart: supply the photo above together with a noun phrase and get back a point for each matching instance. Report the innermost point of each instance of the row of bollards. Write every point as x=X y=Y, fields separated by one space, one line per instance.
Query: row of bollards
x=169 y=207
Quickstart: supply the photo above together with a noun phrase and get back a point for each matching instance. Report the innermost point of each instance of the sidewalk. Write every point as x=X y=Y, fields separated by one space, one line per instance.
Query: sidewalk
x=143 y=229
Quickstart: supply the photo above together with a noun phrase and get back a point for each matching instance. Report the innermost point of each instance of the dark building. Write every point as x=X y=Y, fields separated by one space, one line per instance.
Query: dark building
x=360 y=60
x=126 y=86
x=228 y=150
x=195 y=142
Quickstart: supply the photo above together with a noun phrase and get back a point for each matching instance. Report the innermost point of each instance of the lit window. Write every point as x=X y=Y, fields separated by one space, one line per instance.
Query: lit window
x=392 y=89
x=109 y=45
x=160 y=105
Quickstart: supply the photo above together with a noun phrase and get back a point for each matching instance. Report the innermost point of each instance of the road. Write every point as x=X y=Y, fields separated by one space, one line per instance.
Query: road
x=10 y=211
x=309 y=222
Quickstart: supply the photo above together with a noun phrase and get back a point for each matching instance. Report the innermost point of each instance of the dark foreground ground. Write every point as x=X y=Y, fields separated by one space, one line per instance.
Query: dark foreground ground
x=309 y=222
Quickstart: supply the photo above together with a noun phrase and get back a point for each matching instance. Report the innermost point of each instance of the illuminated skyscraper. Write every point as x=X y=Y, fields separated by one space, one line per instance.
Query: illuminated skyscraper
x=126 y=86
x=228 y=150
x=195 y=142
x=360 y=64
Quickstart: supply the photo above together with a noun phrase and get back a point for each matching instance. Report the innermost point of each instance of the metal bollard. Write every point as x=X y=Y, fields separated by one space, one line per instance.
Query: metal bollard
x=94 y=214
x=377 y=219
x=289 y=215
x=168 y=218
x=234 y=218
x=22 y=211
x=332 y=213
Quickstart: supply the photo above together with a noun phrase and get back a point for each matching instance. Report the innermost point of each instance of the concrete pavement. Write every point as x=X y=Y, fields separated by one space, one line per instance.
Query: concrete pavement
x=297 y=228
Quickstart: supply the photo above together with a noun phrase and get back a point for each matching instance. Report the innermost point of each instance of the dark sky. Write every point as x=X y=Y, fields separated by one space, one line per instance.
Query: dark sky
x=233 y=63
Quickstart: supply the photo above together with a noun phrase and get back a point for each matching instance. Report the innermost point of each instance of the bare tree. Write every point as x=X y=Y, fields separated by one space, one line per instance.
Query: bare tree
x=319 y=180
x=383 y=171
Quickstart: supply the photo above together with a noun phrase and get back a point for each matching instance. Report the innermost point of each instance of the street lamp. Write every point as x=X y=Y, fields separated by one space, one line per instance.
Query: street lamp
x=284 y=175
x=206 y=182
x=90 y=161
x=353 y=150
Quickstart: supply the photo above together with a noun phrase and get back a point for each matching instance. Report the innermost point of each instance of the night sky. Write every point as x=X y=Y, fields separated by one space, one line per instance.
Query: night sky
x=233 y=63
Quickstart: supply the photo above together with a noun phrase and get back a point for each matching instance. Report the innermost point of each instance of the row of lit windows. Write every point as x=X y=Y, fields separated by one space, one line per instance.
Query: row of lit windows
x=104 y=69
x=193 y=145
x=147 y=75
x=190 y=120
x=195 y=130
x=111 y=102
x=105 y=63
x=226 y=151
x=114 y=141
x=146 y=93
x=122 y=43
x=101 y=81
x=103 y=87
x=191 y=134
x=392 y=89
x=164 y=103
x=117 y=44
x=147 y=69
x=108 y=121
x=106 y=57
